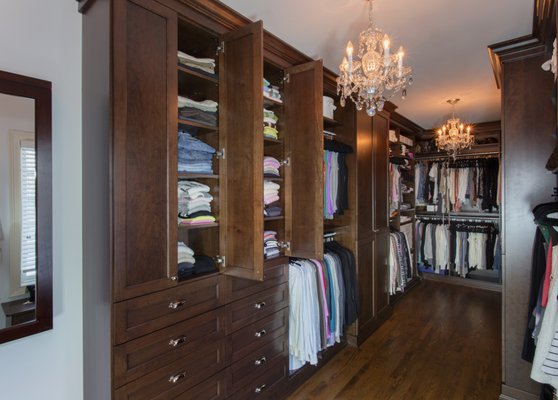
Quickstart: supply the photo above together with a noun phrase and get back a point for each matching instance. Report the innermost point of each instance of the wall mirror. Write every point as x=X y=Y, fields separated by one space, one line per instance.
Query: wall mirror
x=25 y=206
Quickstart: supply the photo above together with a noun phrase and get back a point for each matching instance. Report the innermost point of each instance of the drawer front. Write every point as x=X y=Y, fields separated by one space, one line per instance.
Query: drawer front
x=258 y=363
x=211 y=389
x=176 y=378
x=141 y=356
x=146 y=314
x=253 y=337
x=255 y=307
x=238 y=288
x=264 y=386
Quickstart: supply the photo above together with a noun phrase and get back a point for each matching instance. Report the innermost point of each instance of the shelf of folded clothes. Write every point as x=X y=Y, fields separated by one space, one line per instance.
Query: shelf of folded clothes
x=194 y=155
x=280 y=217
x=194 y=205
x=191 y=265
x=329 y=122
x=199 y=226
x=202 y=66
x=204 y=128
x=203 y=113
x=193 y=74
x=272 y=103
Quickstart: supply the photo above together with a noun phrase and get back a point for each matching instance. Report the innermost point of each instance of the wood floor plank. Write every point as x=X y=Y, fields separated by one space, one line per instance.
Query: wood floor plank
x=442 y=342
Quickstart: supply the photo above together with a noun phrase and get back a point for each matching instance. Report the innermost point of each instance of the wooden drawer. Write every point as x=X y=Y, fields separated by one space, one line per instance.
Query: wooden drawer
x=238 y=288
x=257 y=363
x=141 y=356
x=211 y=389
x=176 y=378
x=253 y=337
x=255 y=307
x=264 y=386
x=146 y=314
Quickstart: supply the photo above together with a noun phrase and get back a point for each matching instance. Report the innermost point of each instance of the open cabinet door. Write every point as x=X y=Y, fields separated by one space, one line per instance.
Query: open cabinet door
x=241 y=124
x=304 y=145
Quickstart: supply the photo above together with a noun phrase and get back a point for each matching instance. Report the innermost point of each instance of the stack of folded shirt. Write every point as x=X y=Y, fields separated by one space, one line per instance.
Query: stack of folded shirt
x=271 y=245
x=194 y=203
x=270 y=124
x=194 y=156
x=191 y=265
x=271 y=91
x=203 y=64
x=271 y=192
x=204 y=112
x=273 y=210
x=271 y=167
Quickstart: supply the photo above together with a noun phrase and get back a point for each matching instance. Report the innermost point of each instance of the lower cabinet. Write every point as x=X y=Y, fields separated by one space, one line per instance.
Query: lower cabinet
x=229 y=339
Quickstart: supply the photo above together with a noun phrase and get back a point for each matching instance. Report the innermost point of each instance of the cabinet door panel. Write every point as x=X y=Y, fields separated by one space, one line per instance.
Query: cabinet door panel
x=304 y=143
x=380 y=128
x=144 y=147
x=241 y=124
x=365 y=176
x=381 y=276
x=365 y=263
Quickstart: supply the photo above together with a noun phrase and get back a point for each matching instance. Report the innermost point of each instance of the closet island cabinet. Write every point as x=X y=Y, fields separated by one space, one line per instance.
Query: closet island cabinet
x=151 y=332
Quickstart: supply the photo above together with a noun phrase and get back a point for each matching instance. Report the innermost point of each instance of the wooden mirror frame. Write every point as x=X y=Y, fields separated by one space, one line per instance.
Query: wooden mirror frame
x=40 y=91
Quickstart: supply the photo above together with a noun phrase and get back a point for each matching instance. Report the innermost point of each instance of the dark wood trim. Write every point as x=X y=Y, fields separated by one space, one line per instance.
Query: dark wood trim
x=40 y=91
x=479 y=129
x=544 y=21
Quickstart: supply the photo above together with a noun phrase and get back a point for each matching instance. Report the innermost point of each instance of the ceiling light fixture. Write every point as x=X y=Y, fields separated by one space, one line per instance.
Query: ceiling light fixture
x=377 y=76
x=454 y=136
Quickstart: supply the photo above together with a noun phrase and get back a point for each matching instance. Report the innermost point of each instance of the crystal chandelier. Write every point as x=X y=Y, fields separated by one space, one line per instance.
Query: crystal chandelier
x=377 y=76
x=454 y=136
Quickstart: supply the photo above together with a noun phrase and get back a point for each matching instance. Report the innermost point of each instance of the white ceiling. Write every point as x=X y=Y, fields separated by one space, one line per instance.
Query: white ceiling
x=445 y=43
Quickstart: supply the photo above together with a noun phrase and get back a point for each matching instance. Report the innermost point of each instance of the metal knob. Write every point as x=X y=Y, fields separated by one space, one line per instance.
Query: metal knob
x=260 y=305
x=260 y=388
x=177 y=304
x=177 y=342
x=261 y=333
x=177 y=377
x=260 y=361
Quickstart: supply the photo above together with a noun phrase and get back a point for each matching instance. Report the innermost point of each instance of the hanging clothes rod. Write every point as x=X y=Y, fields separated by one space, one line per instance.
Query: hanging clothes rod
x=487 y=154
x=460 y=218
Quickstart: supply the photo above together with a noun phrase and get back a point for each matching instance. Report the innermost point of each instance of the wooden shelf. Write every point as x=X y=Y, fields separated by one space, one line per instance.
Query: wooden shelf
x=199 y=125
x=270 y=141
x=199 y=75
x=192 y=227
x=280 y=217
x=187 y=175
x=274 y=179
x=406 y=211
x=328 y=122
x=273 y=261
x=270 y=103
x=194 y=278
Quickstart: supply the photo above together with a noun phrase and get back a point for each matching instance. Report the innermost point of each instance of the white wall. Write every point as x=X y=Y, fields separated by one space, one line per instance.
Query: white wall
x=15 y=113
x=43 y=39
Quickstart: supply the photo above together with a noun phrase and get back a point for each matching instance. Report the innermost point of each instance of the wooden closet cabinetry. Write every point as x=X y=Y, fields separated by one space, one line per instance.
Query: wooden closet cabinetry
x=151 y=335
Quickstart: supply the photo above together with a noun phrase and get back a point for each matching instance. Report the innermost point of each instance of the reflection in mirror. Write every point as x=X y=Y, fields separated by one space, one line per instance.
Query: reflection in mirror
x=17 y=210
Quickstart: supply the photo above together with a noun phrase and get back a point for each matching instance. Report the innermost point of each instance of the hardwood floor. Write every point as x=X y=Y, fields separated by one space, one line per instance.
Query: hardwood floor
x=443 y=342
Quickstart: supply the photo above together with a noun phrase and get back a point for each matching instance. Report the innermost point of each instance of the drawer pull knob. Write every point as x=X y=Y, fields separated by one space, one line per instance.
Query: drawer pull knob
x=260 y=388
x=177 y=377
x=177 y=304
x=260 y=361
x=261 y=333
x=177 y=342
x=260 y=305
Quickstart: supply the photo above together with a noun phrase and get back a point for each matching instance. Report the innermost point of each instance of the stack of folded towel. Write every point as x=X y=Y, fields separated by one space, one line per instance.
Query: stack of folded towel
x=271 y=167
x=203 y=64
x=204 y=112
x=194 y=156
x=270 y=91
x=191 y=265
x=271 y=245
x=270 y=124
x=194 y=203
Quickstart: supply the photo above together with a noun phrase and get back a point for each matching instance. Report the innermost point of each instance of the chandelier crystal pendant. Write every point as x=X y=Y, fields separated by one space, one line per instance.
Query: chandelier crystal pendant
x=454 y=136
x=374 y=75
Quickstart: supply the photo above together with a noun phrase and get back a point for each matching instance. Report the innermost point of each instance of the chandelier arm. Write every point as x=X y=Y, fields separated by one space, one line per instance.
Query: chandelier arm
x=371 y=13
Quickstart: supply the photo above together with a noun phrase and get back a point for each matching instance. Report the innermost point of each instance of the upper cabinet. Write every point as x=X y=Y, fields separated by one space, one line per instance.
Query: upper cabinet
x=144 y=148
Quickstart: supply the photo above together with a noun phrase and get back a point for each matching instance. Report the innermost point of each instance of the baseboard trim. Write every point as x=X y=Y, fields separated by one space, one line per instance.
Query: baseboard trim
x=511 y=393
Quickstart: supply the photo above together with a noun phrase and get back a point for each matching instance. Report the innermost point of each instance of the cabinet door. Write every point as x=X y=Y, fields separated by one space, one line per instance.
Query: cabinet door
x=365 y=270
x=241 y=124
x=144 y=148
x=365 y=176
x=304 y=144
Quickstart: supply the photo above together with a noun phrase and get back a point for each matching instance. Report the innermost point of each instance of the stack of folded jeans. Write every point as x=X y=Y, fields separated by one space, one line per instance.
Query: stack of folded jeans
x=204 y=112
x=270 y=91
x=206 y=65
x=270 y=124
x=194 y=156
x=271 y=245
x=271 y=167
x=190 y=264
x=194 y=203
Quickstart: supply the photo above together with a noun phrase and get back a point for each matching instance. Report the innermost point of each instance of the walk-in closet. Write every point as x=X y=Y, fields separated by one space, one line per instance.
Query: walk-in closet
x=296 y=200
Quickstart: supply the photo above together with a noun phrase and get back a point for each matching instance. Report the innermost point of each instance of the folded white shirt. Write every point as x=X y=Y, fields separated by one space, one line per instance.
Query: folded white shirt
x=184 y=57
x=206 y=105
